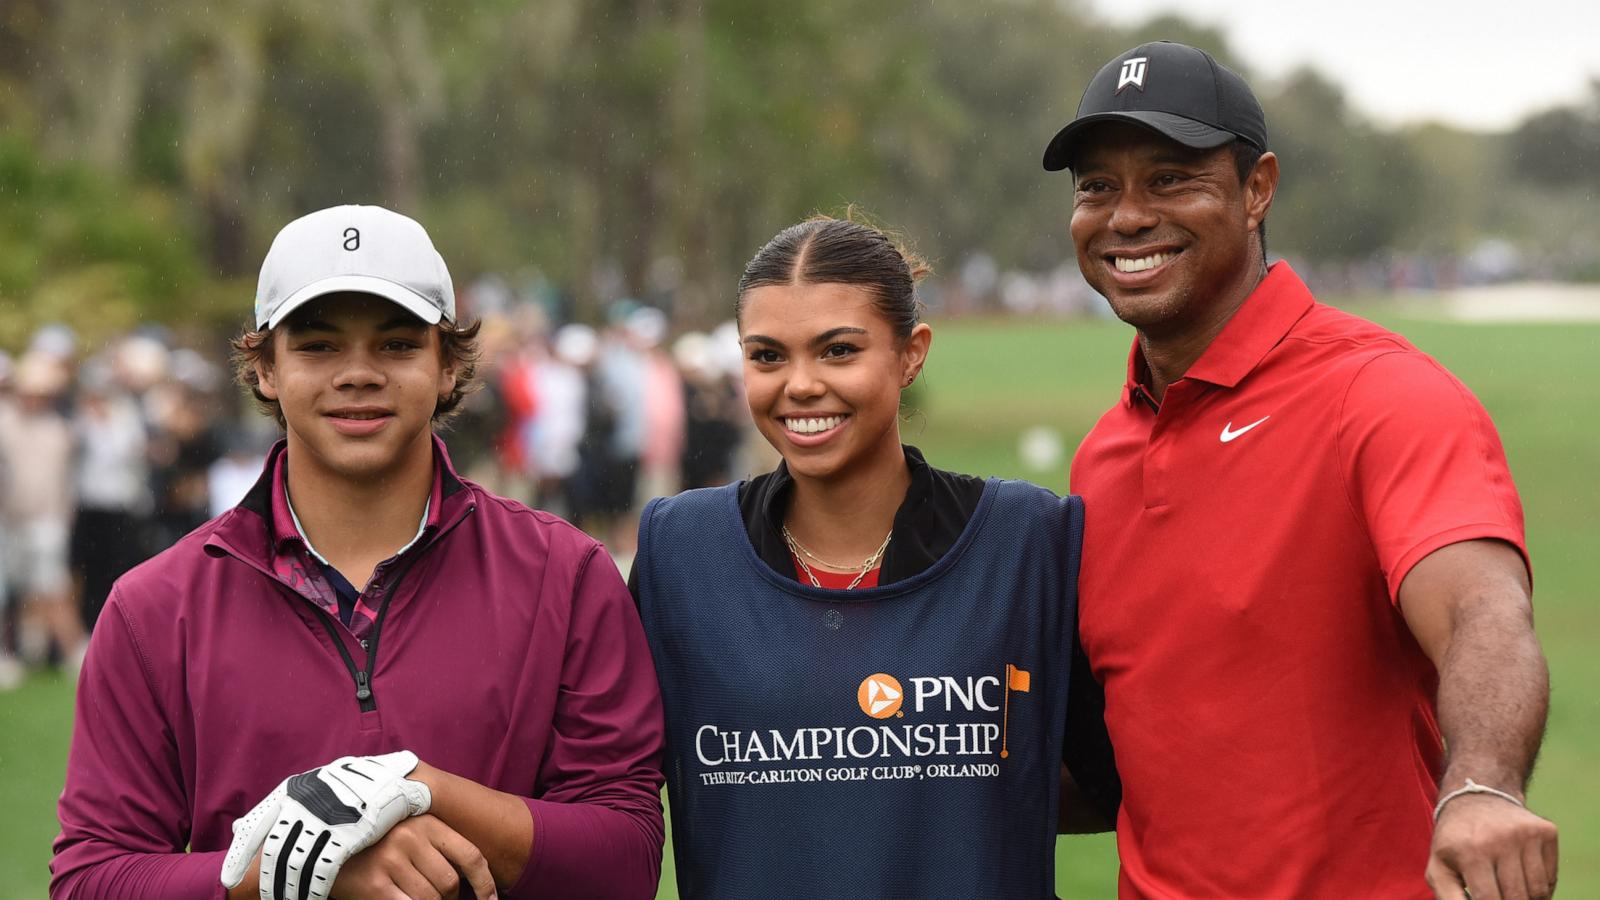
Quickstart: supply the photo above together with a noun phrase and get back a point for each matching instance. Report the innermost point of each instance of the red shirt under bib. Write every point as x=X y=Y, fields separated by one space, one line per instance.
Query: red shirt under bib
x=834 y=581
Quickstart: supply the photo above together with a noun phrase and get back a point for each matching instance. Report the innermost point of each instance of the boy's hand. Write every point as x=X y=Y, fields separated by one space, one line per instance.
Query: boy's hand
x=420 y=857
x=312 y=822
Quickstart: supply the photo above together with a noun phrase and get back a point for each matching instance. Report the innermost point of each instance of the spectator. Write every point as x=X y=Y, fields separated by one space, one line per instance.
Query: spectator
x=184 y=449
x=112 y=475
x=11 y=671
x=661 y=450
x=615 y=437
x=36 y=442
x=714 y=415
x=558 y=425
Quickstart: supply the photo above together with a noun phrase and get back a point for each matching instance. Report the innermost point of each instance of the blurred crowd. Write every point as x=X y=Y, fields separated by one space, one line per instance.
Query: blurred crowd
x=110 y=454
x=103 y=460
x=588 y=422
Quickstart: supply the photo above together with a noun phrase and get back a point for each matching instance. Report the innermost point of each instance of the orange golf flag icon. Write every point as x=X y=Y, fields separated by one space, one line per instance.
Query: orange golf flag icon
x=1016 y=680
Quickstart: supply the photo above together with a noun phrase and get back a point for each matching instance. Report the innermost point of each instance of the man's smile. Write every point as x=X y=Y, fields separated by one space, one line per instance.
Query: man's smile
x=1141 y=263
x=359 y=421
x=1140 y=266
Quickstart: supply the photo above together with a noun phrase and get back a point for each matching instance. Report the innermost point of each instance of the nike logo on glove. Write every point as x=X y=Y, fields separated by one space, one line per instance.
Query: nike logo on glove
x=1229 y=434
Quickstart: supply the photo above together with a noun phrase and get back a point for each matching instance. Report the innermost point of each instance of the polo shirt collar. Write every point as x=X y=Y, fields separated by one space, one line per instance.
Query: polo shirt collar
x=1260 y=324
x=1138 y=375
x=422 y=525
x=286 y=526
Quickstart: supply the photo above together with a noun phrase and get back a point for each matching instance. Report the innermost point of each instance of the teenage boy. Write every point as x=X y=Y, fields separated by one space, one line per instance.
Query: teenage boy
x=461 y=681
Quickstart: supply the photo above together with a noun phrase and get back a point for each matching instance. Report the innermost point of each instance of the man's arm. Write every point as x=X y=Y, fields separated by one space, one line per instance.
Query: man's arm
x=310 y=833
x=497 y=823
x=419 y=857
x=124 y=818
x=1469 y=606
x=1426 y=473
x=484 y=834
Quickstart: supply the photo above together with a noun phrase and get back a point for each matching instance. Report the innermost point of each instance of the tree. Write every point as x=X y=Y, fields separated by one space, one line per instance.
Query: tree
x=1559 y=147
x=1348 y=190
x=78 y=247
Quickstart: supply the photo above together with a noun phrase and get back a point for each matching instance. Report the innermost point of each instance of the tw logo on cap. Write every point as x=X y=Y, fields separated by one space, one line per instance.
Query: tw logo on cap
x=1132 y=73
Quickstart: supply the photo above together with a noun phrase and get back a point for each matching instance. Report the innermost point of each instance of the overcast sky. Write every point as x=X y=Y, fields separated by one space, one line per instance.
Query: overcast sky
x=1473 y=63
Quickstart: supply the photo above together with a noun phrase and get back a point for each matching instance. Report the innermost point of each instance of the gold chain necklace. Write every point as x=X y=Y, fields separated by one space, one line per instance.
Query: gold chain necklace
x=867 y=565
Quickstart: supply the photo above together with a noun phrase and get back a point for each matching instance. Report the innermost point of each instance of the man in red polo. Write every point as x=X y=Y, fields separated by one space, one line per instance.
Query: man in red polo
x=1304 y=568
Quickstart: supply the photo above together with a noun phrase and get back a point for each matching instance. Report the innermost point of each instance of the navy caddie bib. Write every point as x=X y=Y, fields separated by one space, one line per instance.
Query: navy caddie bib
x=902 y=741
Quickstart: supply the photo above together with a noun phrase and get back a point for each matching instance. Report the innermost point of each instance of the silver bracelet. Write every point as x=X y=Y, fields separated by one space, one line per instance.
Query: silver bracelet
x=1472 y=787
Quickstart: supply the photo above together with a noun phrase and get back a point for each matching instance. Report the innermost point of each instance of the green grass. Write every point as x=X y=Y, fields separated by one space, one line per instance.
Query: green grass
x=988 y=381
x=35 y=722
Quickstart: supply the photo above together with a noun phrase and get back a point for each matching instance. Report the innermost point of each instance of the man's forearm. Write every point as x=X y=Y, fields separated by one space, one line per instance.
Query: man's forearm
x=134 y=876
x=501 y=826
x=497 y=823
x=1470 y=607
x=1494 y=689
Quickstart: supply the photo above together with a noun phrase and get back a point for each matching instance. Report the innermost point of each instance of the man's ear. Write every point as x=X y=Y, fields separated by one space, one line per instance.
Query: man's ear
x=447 y=382
x=448 y=367
x=266 y=378
x=1259 y=189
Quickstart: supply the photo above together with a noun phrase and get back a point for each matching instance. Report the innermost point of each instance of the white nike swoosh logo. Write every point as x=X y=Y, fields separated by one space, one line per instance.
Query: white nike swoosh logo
x=1229 y=434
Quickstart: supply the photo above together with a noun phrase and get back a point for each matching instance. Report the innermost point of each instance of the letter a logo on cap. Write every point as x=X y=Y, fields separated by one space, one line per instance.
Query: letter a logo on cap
x=880 y=695
x=1132 y=73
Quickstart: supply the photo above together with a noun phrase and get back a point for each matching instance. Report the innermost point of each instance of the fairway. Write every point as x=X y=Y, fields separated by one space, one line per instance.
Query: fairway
x=989 y=380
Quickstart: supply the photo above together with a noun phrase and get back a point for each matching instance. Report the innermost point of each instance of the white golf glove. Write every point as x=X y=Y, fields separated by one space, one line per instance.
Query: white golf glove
x=313 y=822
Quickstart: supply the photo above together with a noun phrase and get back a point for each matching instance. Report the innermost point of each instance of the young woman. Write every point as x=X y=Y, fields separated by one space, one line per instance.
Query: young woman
x=864 y=660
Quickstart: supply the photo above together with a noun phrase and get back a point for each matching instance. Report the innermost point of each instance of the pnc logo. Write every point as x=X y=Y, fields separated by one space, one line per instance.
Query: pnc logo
x=880 y=695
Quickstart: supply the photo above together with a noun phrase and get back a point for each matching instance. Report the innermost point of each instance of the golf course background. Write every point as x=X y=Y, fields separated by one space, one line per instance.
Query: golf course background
x=989 y=381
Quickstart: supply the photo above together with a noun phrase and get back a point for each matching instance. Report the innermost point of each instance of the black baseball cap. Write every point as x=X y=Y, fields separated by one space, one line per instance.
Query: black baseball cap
x=1173 y=89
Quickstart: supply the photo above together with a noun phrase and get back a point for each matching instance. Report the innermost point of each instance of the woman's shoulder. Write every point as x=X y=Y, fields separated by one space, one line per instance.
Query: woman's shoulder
x=685 y=535
x=1036 y=512
x=696 y=501
x=1014 y=497
x=699 y=517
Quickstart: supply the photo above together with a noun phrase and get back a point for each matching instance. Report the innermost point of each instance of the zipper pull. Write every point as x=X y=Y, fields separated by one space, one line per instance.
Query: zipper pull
x=363 y=691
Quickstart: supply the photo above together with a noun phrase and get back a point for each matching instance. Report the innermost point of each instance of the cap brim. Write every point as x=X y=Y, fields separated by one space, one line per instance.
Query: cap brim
x=1187 y=132
x=399 y=294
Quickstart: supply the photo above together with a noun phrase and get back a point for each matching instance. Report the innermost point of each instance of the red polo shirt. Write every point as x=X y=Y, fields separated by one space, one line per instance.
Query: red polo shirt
x=1272 y=716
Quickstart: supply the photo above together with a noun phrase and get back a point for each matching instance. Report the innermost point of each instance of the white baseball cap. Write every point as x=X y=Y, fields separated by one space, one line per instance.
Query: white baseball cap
x=365 y=249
